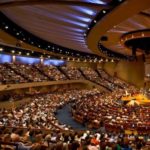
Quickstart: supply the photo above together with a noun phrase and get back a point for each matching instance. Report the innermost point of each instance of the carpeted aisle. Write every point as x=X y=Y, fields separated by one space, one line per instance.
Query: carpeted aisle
x=64 y=117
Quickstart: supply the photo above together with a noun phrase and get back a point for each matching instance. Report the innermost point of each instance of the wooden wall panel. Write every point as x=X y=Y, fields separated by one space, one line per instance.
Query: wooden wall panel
x=132 y=72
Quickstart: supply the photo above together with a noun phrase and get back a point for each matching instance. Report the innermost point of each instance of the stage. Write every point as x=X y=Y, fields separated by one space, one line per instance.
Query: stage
x=138 y=99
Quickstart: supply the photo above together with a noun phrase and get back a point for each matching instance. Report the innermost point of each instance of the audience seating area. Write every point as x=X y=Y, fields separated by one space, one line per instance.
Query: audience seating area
x=33 y=125
x=116 y=116
x=21 y=73
x=8 y=76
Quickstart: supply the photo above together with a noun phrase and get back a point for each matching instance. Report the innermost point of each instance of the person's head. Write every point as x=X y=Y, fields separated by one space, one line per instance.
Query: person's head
x=16 y=139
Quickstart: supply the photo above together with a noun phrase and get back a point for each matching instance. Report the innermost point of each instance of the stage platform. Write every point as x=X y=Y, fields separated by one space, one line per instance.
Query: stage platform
x=136 y=98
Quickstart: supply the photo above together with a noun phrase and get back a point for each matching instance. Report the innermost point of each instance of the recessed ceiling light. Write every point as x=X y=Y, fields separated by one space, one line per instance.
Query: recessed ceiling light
x=6 y=27
x=104 y=11
x=142 y=34
x=95 y=21
x=13 y=51
x=1 y=49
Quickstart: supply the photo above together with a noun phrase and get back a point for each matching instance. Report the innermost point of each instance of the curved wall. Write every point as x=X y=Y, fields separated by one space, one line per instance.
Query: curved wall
x=132 y=72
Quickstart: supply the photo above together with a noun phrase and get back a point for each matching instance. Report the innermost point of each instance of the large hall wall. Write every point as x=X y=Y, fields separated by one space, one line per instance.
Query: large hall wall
x=132 y=72
x=81 y=64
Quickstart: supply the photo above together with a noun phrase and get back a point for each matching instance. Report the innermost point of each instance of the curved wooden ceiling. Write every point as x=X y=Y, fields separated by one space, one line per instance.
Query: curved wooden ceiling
x=130 y=18
x=135 y=23
x=65 y=22
x=60 y=22
x=62 y=25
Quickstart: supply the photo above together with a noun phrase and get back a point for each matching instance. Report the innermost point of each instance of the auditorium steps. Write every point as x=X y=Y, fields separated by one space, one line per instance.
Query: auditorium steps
x=43 y=73
x=93 y=81
x=63 y=72
x=18 y=73
x=99 y=74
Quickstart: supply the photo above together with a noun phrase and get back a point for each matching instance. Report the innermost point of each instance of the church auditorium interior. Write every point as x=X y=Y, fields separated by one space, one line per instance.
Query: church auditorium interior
x=75 y=74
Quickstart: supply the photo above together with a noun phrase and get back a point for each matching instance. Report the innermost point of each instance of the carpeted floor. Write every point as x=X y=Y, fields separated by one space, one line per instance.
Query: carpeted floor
x=64 y=117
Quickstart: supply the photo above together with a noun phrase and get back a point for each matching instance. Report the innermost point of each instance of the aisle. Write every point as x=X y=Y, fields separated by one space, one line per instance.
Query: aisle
x=64 y=117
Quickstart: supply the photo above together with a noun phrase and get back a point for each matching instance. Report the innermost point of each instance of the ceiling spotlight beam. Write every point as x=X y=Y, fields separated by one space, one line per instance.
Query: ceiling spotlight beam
x=54 y=2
